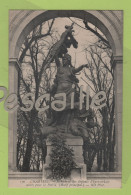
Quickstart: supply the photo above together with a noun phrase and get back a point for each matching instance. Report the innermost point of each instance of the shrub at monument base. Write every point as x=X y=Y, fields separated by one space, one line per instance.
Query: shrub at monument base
x=62 y=158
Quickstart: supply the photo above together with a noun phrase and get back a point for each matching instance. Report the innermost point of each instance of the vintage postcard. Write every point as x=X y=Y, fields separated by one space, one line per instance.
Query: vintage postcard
x=65 y=98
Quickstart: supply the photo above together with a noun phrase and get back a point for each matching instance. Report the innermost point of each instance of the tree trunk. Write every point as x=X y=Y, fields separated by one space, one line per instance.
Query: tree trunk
x=26 y=161
x=99 y=160
x=105 y=128
x=112 y=153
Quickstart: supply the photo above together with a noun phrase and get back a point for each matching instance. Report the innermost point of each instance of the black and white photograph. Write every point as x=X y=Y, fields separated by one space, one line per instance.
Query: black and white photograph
x=65 y=98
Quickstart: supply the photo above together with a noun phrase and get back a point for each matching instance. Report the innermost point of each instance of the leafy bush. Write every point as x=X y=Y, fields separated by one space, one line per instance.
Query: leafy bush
x=62 y=158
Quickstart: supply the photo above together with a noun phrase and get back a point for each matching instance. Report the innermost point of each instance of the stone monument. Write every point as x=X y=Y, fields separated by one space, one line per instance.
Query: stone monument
x=70 y=120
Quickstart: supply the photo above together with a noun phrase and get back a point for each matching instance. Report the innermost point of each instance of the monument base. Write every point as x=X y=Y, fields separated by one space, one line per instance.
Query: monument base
x=76 y=143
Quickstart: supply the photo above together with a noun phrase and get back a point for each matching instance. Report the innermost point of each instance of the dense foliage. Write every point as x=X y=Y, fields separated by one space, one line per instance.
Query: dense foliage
x=62 y=158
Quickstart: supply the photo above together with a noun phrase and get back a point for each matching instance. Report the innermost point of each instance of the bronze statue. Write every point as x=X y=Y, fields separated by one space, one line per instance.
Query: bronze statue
x=68 y=120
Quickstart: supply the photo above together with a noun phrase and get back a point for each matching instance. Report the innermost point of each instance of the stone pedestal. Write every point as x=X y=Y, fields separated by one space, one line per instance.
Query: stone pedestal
x=76 y=143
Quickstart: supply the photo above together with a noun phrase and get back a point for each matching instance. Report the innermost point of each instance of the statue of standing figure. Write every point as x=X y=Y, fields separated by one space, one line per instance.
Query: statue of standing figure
x=68 y=120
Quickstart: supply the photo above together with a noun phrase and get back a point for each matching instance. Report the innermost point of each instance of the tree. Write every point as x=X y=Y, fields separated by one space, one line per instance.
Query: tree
x=32 y=78
x=101 y=78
